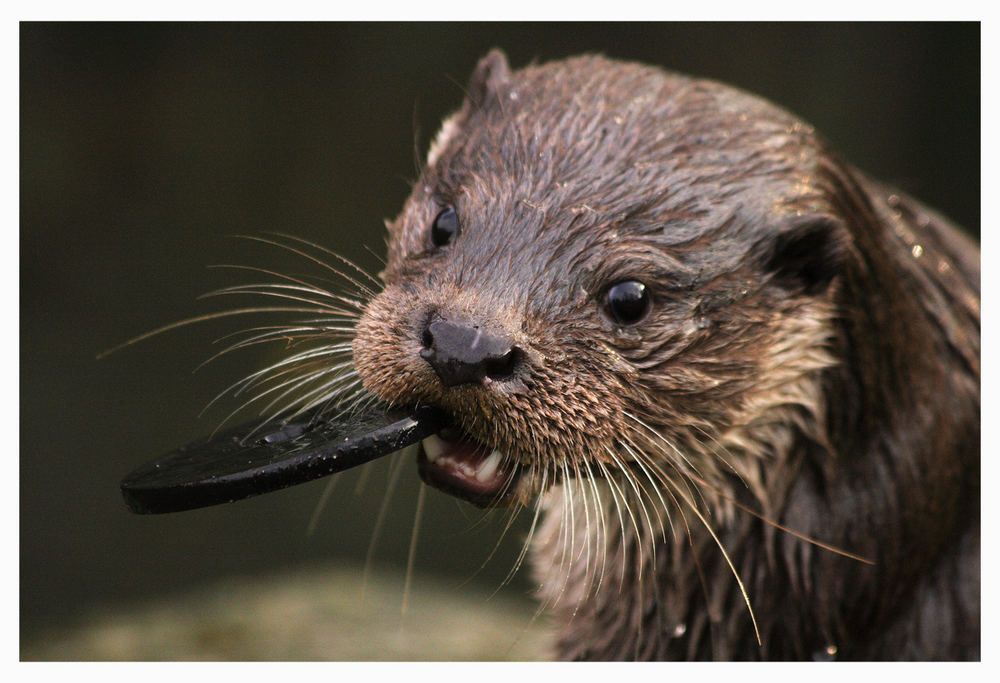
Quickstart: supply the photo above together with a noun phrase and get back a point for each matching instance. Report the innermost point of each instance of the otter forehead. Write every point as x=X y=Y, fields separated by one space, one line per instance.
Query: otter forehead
x=556 y=154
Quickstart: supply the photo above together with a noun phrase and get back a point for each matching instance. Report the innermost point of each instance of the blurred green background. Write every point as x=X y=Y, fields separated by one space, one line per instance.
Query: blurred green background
x=146 y=147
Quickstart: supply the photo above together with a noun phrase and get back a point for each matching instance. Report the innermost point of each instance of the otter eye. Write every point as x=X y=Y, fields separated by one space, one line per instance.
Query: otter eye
x=628 y=302
x=444 y=229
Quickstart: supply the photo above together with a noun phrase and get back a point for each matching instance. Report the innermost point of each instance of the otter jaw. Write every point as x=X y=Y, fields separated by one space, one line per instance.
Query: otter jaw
x=469 y=470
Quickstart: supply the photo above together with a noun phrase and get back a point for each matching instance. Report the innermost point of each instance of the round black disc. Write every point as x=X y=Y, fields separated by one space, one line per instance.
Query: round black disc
x=255 y=458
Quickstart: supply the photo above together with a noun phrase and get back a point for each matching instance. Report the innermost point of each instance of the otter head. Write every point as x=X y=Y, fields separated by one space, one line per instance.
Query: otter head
x=605 y=269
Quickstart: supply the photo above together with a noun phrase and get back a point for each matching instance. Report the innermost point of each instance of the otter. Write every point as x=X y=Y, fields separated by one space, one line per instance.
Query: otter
x=735 y=379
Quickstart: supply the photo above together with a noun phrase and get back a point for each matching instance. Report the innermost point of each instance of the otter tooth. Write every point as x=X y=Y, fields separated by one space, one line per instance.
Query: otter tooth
x=486 y=471
x=434 y=446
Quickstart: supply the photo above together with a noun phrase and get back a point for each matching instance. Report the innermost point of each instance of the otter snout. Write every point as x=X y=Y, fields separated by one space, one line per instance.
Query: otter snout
x=463 y=351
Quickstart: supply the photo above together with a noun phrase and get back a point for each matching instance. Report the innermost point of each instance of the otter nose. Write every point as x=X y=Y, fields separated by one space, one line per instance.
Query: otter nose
x=463 y=352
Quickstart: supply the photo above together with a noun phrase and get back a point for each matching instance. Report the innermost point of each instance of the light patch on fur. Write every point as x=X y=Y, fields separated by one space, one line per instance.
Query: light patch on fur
x=442 y=139
x=789 y=390
x=597 y=536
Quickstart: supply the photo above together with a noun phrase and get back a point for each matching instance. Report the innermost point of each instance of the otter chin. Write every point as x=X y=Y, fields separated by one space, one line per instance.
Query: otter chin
x=733 y=380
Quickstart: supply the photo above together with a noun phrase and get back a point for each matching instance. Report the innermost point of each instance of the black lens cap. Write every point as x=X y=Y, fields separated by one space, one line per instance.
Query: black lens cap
x=259 y=458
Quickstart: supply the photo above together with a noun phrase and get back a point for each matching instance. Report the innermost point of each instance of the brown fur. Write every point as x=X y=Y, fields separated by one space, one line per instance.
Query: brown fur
x=812 y=354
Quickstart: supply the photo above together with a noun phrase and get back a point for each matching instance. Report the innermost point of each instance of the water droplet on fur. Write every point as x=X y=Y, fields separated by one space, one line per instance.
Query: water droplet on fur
x=827 y=654
x=679 y=630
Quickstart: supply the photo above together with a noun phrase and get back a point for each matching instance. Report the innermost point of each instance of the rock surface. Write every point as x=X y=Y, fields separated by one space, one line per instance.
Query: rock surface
x=329 y=613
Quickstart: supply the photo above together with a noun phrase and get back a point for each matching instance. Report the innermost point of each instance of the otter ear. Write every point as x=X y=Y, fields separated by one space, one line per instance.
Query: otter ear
x=491 y=75
x=806 y=252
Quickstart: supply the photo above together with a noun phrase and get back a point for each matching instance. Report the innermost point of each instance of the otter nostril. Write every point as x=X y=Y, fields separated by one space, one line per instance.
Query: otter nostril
x=504 y=367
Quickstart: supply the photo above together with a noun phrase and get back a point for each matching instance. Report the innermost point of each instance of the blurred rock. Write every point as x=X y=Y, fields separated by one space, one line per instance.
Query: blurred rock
x=328 y=613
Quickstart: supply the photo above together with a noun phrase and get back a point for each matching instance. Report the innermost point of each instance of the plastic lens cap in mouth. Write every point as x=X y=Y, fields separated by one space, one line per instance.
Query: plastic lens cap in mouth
x=259 y=458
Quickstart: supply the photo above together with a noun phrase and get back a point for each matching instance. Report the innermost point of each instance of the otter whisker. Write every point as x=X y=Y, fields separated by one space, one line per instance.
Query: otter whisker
x=325 y=393
x=274 y=336
x=638 y=459
x=313 y=341
x=725 y=555
x=278 y=291
x=356 y=401
x=570 y=537
x=705 y=484
x=510 y=517
x=312 y=258
x=725 y=450
x=417 y=515
x=295 y=381
x=206 y=317
x=341 y=372
x=530 y=535
x=618 y=496
x=635 y=485
x=297 y=291
x=298 y=373
x=324 y=498
x=658 y=480
x=395 y=469
x=286 y=365
x=601 y=525
x=346 y=261
x=787 y=530
x=587 y=535
x=334 y=394
x=657 y=435
x=292 y=336
x=307 y=285
x=378 y=258
x=679 y=466
x=299 y=380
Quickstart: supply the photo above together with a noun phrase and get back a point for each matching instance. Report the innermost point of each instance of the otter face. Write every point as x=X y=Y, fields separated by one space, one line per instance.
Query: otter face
x=604 y=268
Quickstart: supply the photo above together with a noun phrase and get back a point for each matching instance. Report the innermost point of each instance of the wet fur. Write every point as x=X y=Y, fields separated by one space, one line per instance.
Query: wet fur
x=803 y=359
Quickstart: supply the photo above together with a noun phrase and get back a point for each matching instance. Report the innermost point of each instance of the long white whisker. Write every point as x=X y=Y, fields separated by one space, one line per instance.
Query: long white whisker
x=615 y=496
x=599 y=513
x=322 y=263
x=266 y=290
x=530 y=536
x=302 y=380
x=375 y=281
x=395 y=470
x=304 y=284
x=586 y=549
x=656 y=434
x=206 y=317
x=638 y=458
x=421 y=494
x=725 y=555
x=640 y=498
x=321 y=504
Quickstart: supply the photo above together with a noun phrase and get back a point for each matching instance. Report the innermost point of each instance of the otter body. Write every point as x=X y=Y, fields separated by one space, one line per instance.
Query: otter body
x=666 y=318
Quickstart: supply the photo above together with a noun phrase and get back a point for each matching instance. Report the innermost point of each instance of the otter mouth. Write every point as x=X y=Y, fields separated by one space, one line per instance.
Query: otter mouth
x=465 y=468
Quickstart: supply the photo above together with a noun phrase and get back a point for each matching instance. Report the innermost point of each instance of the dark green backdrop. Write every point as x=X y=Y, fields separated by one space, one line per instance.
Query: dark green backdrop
x=145 y=147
